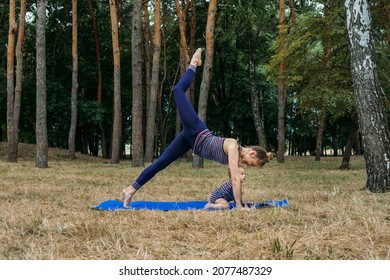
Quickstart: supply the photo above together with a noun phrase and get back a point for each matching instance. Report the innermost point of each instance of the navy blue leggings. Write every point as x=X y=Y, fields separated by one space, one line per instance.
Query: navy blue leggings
x=184 y=141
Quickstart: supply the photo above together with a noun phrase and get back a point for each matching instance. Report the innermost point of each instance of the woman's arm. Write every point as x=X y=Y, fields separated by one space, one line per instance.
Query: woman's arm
x=230 y=147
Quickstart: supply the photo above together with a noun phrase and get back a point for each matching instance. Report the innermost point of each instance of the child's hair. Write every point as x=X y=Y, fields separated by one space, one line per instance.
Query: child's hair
x=230 y=174
x=262 y=154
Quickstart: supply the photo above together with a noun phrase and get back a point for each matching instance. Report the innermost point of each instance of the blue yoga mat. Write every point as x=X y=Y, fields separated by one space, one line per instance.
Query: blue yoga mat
x=113 y=205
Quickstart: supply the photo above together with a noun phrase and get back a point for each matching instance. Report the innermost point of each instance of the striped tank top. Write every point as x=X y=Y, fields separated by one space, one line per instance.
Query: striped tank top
x=210 y=147
x=224 y=191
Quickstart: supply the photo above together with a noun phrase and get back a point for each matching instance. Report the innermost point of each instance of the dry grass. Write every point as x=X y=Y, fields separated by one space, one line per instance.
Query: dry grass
x=44 y=213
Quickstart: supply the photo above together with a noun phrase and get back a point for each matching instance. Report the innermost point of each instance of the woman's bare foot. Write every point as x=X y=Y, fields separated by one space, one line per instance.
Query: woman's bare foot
x=197 y=58
x=128 y=194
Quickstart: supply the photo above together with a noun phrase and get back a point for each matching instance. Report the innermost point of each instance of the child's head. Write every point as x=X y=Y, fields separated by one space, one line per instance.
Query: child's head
x=257 y=156
x=241 y=173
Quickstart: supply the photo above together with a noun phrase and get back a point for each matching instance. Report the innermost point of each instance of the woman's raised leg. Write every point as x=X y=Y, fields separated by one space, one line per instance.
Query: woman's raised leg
x=192 y=124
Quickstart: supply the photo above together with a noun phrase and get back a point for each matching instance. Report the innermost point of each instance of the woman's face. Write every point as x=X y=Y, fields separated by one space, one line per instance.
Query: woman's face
x=251 y=160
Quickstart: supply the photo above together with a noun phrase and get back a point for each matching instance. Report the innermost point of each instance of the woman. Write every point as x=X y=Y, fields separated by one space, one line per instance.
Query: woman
x=196 y=136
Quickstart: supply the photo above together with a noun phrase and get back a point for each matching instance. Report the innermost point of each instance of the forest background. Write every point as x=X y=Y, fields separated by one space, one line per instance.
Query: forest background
x=244 y=75
x=108 y=78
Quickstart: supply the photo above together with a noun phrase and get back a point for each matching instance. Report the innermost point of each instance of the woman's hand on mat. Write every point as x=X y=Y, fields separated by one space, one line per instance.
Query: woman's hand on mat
x=243 y=207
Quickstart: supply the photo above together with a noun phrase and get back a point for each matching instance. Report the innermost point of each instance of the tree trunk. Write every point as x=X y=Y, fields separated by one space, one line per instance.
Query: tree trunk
x=324 y=97
x=191 y=91
x=256 y=96
x=292 y=16
x=41 y=116
x=12 y=157
x=320 y=133
x=348 y=147
x=147 y=50
x=257 y=106
x=207 y=70
x=182 y=13
x=136 y=44
x=19 y=73
x=151 y=117
x=75 y=85
x=162 y=116
x=282 y=89
x=117 y=122
x=369 y=97
x=99 y=77
x=358 y=146
x=184 y=58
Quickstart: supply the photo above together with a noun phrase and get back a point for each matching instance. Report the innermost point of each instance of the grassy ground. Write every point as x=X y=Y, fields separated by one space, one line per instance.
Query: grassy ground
x=45 y=214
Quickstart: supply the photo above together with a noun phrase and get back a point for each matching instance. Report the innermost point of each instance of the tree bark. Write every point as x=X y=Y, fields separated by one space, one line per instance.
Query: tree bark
x=257 y=108
x=75 y=85
x=369 y=97
x=147 y=36
x=19 y=74
x=154 y=90
x=191 y=91
x=324 y=97
x=10 y=83
x=320 y=133
x=256 y=96
x=207 y=70
x=162 y=116
x=117 y=114
x=282 y=89
x=136 y=47
x=345 y=163
x=99 y=77
x=41 y=115
x=184 y=58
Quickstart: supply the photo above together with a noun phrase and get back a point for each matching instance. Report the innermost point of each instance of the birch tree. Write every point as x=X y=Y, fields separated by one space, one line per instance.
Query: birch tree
x=369 y=97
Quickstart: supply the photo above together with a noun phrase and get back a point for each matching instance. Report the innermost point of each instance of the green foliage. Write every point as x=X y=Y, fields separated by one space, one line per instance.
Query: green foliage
x=315 y=81
x=230 y=99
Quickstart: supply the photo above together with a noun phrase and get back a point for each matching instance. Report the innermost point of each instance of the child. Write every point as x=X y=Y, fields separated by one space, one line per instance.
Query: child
x=222 y=195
